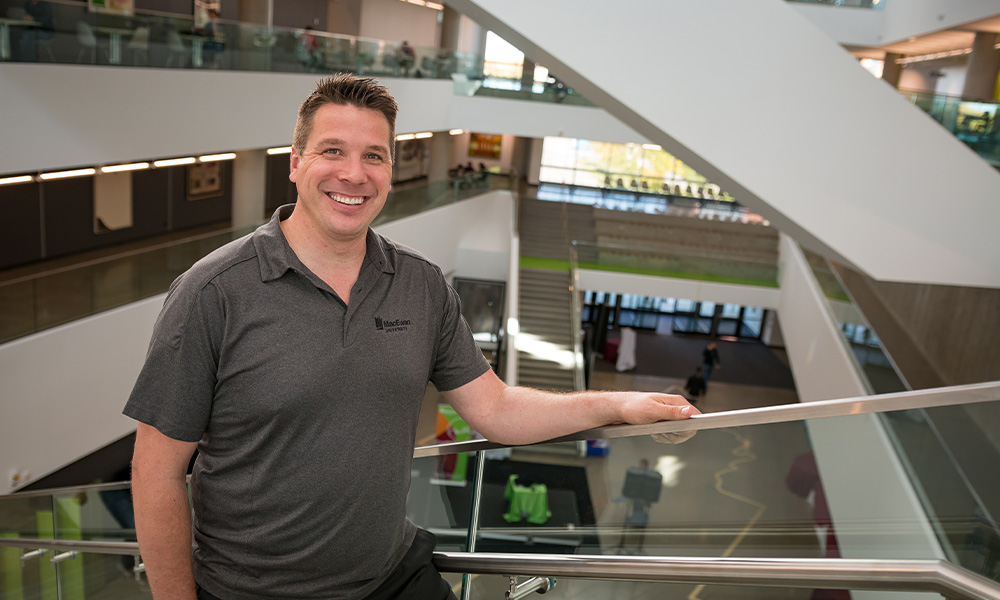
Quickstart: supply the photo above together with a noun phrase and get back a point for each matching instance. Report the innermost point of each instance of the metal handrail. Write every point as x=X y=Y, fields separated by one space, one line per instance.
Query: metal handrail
x=895 y=575
x=945 y=396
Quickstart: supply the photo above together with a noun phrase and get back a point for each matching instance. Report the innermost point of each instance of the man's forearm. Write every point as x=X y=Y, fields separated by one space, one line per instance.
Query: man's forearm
x=163 y=526
x=530 y=415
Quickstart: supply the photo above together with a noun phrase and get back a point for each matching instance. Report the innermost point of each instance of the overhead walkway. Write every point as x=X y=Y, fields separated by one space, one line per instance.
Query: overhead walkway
x=735 y=511
x=830 y=155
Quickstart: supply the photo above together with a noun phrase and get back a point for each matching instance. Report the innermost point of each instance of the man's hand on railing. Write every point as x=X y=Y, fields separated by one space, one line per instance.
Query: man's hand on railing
x=641 y=408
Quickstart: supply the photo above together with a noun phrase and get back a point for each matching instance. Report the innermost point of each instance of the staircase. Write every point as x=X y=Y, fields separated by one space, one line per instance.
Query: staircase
x=545 y=341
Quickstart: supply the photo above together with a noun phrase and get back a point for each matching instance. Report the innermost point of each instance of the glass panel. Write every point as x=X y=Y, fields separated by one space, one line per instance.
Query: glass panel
x=872 y=361
x=731 y=311
x=101 y=576
x=707 y=309
x=686 y=306
x=668 y=305
x=491 y=587
x=822 y=488
x=559 y=152
x=728 y=327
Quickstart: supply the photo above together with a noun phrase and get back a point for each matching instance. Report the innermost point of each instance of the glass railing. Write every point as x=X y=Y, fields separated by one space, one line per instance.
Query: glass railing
x=744 y=489
x=153 y=39
x=943 y=450
x=36 y=303
x=679 y=263
x=872 y=361
x=876 y=4
x=972 y=122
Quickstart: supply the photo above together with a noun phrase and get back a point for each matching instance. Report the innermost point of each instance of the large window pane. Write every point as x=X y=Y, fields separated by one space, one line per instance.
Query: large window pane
x=626 y=159
x=559 y=152
x=656 y=163
x=593 y=156
x=731 y=311
x=707 y=309
x=554 y=175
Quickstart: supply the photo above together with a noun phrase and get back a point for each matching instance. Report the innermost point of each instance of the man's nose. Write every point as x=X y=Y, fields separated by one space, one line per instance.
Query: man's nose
x=353 y=170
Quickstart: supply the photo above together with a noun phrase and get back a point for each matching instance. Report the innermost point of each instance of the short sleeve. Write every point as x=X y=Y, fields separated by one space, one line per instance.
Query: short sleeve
x=176 y=385
x=458 y=359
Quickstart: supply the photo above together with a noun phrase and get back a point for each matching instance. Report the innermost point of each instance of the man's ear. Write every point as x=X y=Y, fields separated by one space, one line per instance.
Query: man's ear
x=293 y=165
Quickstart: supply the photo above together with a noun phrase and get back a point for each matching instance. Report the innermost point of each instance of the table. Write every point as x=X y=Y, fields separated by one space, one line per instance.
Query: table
x=115 y=46
x=5 y=25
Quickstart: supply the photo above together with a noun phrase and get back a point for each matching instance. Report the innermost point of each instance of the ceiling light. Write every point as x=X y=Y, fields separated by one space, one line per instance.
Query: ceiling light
x=215 y=157
x=128 y=167
x=652 y=147
x=173 y=162
x=281 y=150
x=65 y=174
x=434 y=5
x=17 y=179
x=424 y=135
x=405 y=137
x=456 y=131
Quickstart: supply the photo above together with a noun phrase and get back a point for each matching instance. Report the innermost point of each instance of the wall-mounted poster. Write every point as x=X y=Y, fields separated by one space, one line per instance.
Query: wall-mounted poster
x=204 y=180
x=484 y=145
x=121 y=7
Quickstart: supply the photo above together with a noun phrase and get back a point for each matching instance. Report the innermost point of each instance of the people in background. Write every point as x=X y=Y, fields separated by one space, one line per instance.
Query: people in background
x=40 y=12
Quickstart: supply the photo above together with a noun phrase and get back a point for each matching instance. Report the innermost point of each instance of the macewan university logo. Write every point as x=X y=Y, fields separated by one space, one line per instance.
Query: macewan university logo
x=391 y=326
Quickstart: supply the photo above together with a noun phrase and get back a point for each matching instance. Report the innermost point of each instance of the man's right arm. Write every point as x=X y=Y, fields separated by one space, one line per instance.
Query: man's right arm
x=162 y=512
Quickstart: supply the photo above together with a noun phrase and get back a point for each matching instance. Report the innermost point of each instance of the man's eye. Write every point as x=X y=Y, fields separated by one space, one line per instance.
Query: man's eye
x=373 y=156
x=332 y=151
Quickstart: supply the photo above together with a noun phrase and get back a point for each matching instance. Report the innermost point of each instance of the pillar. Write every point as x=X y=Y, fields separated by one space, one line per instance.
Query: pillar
x=249 y=174
x=984 y=67
x=440 y=157
x=451 y=26
x=891 y=70
x=527 y=74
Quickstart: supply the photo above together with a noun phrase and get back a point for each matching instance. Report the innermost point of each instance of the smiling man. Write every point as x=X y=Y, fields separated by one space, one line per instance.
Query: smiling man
x=295 y=361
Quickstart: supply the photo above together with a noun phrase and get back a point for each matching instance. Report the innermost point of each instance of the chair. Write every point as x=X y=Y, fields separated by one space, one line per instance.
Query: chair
x=391 y=62
x=139 y=44
x=87 y=40
x=175 y=47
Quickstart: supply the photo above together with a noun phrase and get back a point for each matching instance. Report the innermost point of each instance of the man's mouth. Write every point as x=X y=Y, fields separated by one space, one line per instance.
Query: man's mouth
x=349 y=200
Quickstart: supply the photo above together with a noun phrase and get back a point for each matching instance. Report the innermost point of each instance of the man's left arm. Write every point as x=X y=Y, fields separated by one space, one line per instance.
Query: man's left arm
x=520 y=415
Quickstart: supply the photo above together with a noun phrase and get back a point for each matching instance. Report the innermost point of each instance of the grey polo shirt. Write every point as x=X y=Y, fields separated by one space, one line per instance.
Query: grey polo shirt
x=304 y=409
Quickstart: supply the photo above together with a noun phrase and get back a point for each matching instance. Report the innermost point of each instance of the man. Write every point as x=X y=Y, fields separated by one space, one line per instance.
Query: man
x=295 y=360
x=710 y=360
x=695 y=386
x=40 y=12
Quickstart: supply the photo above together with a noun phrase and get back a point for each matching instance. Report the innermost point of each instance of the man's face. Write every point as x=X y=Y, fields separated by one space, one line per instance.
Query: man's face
x=343 y=174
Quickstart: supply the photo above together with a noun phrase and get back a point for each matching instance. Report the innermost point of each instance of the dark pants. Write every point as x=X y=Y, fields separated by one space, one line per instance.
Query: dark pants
x=414 y=578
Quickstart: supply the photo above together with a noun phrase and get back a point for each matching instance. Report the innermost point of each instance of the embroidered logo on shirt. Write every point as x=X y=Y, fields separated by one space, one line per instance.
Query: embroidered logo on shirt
x=391 y=326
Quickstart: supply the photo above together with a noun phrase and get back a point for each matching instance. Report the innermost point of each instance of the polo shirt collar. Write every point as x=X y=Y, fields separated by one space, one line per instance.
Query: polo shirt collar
x=276 y=257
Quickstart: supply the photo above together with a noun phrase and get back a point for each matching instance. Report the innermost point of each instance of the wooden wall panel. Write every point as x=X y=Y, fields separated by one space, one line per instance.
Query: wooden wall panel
x=21 y=227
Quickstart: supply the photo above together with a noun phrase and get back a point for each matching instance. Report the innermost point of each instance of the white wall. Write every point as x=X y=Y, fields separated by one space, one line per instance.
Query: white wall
x=782 y=116
x=63 y=389
x=851 y=26
x=872 y=504
x=467 y=239
x=897 y=21
x=121 y=115
x=395 y=21
x=58 y=116
x=667 y=287
x=539 y=119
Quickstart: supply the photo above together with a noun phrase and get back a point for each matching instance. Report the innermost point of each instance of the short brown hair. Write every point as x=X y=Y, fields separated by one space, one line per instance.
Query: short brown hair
x=346 y=89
